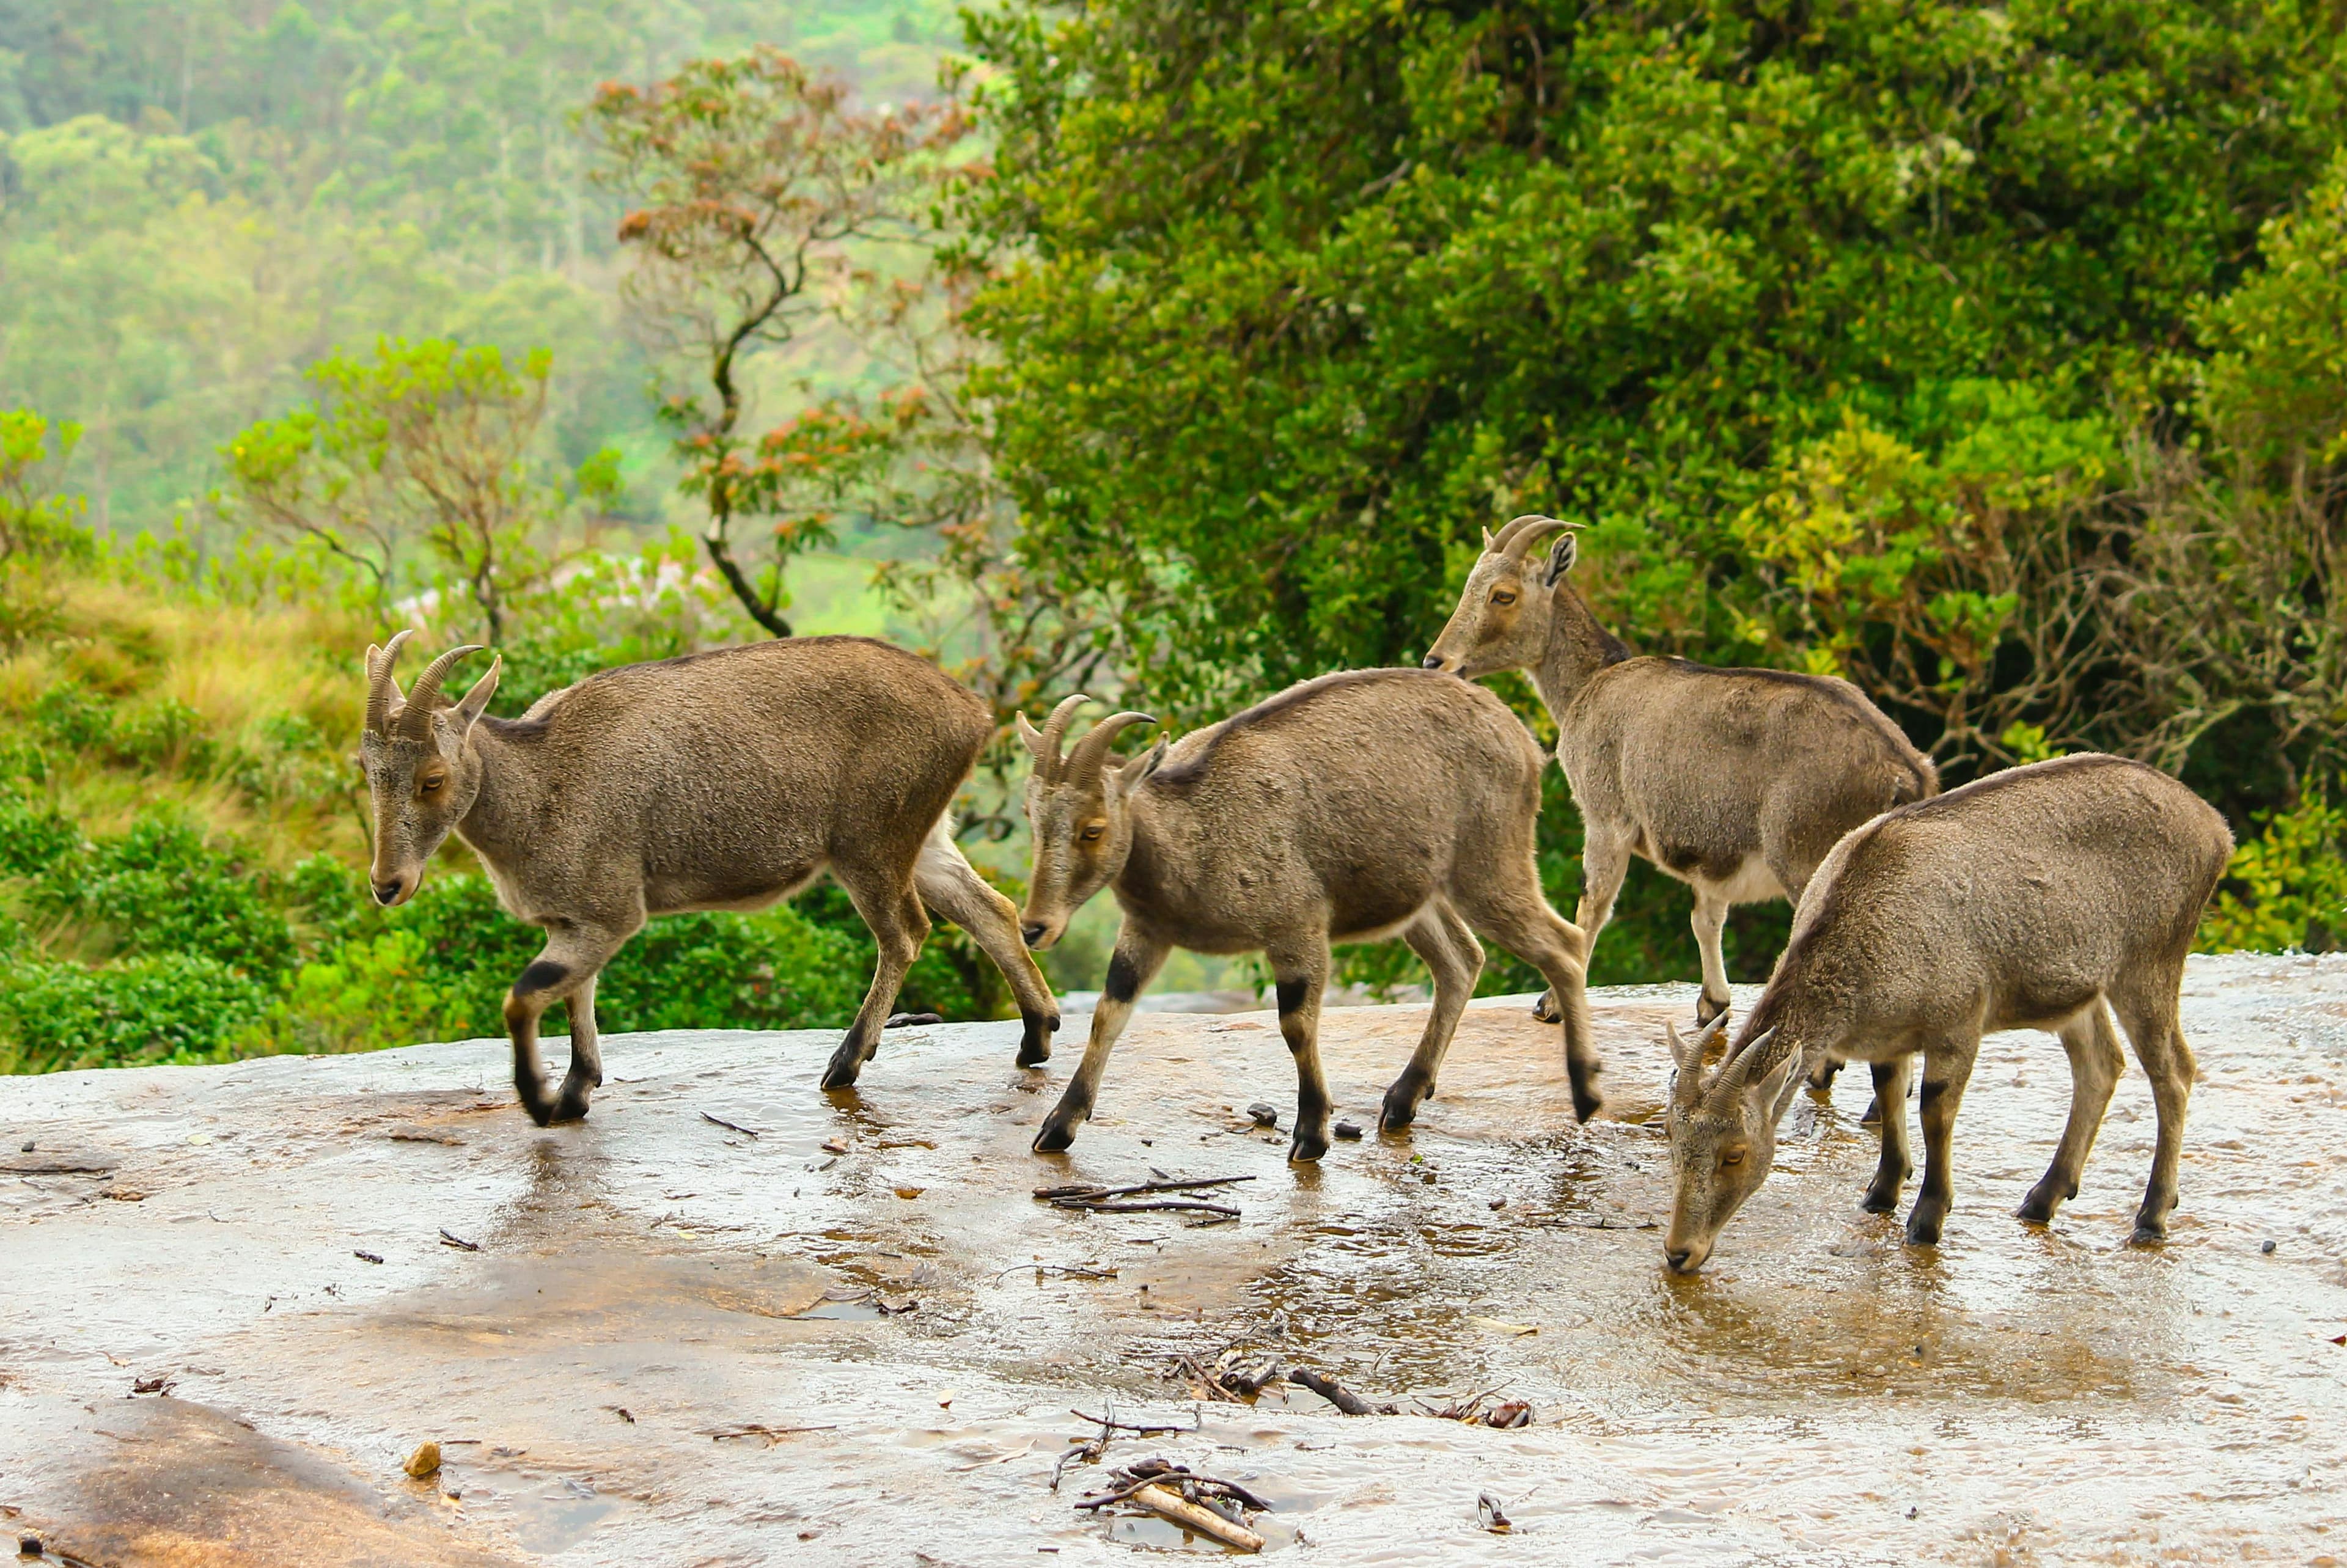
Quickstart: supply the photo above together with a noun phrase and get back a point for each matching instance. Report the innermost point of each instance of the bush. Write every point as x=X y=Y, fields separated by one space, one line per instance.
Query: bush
x=159 y=889
x=175 y=1006
x=32 y=839
x=2286 y=889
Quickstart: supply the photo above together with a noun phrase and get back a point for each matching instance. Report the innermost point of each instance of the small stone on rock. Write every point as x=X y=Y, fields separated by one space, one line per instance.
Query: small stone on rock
x=1266 y=1115
x=2267 y=1246
x=423 y=1461
x=1348 y=1131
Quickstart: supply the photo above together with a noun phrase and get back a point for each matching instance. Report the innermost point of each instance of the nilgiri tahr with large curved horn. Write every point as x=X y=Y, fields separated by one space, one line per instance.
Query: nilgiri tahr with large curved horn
x=1736 y=781
x=1357 y=806
x=726 y=780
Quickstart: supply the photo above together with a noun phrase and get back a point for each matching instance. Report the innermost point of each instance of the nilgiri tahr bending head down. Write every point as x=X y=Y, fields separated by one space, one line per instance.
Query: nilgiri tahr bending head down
x=1723 y=1135
x=422 y=776
x=1076 y=810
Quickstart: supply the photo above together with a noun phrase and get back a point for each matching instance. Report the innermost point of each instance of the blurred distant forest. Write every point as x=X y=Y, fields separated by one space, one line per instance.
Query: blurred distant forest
x=200 y=198
x=1995 y=357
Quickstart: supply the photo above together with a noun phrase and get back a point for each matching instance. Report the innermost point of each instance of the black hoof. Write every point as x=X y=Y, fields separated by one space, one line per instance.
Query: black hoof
x=1878 y=1202
x=1705 y=1009
x=1035 y=1043
x=846 y=1064
x=1396 y=1115
x=2034 y=1209
x=572 y=1105
x=1873 y=1117
x=1923 y=1230
x=2149 y=1233
x=1585 y=1103
x=1054 y=1138
x=1308 y=1148
x=541 y=1105
x=1547 y=1010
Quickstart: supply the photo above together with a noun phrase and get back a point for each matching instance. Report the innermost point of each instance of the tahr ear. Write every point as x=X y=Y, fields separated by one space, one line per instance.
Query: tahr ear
x=1141 y=766
x=1776 y=1090
x=1560 y=557
x=477 y=701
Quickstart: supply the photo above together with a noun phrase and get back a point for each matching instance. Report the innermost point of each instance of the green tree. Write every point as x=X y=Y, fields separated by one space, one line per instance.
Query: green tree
x=752 y=182
x=1295 y=298
x=428 y=449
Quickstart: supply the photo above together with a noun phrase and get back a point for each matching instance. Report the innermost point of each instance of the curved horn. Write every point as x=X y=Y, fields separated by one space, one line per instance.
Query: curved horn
x=382 y=690
x=1740 y=1068
x=1516 y=537
x=1046 y=747
x=415 y=719
x=1092 y=753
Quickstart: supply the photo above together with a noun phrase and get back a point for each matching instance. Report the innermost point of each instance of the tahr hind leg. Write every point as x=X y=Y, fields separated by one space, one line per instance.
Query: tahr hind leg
x=2150 y=1011
x=1451 y=955
x=952 y=887
x=2092 y=1044
x=1299 y=973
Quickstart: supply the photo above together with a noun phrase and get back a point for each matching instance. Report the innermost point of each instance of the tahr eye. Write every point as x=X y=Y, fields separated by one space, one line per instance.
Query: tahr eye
x=1503 y=599
x=432 y=783
x=1092 y=830
x=1731 y=1156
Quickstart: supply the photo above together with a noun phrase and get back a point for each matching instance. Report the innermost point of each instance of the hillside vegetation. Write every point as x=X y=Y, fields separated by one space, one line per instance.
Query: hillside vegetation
x=1993 y=357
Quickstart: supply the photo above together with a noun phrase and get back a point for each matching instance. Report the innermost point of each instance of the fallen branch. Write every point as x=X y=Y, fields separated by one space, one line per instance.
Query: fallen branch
x=1336 y=1394
x=1155 y=1205
x=1196 y=1420
x=1191 y=1516
x=1163 y=1184
x=721 y=1434
x=730 y=1126
x=459 y=1243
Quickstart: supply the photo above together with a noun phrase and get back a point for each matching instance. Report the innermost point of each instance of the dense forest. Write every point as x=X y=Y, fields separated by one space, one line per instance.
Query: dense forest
x=1995 y=357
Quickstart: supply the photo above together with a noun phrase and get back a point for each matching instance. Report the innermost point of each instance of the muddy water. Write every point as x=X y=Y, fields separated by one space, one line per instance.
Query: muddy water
x=913 y=1329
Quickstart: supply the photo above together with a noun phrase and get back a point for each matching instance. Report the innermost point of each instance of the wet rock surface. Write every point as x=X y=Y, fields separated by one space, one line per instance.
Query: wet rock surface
x=685 y=1341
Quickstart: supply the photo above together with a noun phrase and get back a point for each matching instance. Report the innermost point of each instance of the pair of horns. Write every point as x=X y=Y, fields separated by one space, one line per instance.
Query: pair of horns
x=1687 y=1055
x=1091 y=753
x=1519 y=536
x=413 y=719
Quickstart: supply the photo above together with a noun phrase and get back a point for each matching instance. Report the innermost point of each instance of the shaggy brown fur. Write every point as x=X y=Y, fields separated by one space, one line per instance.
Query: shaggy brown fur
x=2042 y=897
x=727 y=780
x=1353 y=807
x=1736 y=782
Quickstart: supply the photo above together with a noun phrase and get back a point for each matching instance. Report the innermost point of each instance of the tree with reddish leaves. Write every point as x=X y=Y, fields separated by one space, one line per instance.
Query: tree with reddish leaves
x=754 y=183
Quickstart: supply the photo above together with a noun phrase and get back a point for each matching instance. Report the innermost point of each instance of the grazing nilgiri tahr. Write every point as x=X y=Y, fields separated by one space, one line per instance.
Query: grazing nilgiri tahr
x=1361 y=805
x=2042 y=897
x=1736 y=781
x=725 y=780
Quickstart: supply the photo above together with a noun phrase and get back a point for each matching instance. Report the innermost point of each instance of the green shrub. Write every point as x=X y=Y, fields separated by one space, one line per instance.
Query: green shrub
x=32 y=838
x=174 y=1007
x=2285 y=889
x=159 y=889
x=74 y=716
x=370 y=993
x=164 y=735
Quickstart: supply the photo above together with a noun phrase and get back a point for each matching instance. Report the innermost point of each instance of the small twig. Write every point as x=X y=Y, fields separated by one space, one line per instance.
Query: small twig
x=1066 y=1270
x=1182 y=1206
x=721 y=1434
x=1196 y=1420
x=459 y=1242
x=730 y=1126
x=1163 y=1185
